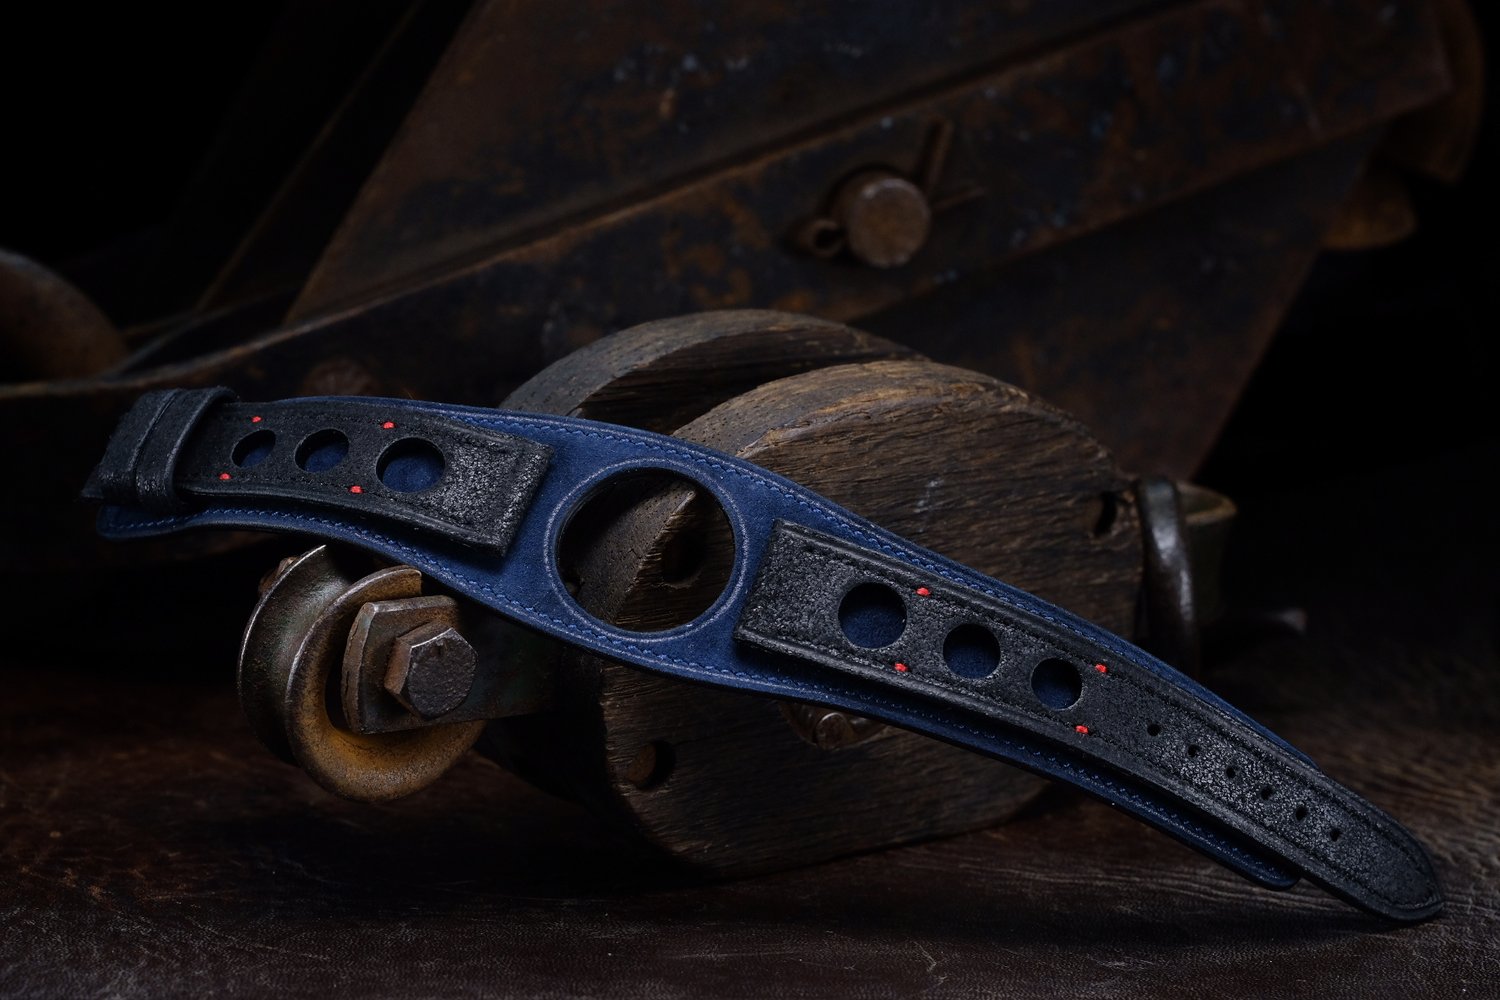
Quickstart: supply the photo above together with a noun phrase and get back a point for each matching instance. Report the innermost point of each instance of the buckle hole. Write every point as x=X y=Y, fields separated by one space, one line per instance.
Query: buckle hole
x=253 y=449
x=322 y=451
x=872 y=615
x=410 y=466
x=971 y=651
x=1056 y=684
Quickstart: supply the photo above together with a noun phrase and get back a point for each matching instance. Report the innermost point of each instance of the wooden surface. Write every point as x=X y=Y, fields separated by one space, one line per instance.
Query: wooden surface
x=148 y=847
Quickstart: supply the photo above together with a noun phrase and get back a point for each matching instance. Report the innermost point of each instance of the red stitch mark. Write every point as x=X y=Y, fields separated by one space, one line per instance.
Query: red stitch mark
x=1081 y=729
x=356 y=489
x=389 y=425
x=1101 y=668
x=923 y=592
x=223 y=475
x=902 y=668
x=255 y=420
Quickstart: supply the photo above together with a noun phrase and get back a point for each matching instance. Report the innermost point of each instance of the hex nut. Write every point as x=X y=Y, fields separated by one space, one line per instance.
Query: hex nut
x=431 y=669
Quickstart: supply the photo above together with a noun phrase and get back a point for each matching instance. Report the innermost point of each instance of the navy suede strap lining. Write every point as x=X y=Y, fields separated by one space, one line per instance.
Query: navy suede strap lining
x=1063 y=697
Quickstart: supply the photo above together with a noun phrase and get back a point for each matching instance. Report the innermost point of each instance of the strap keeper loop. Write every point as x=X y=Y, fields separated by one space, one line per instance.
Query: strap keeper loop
x=140 y=461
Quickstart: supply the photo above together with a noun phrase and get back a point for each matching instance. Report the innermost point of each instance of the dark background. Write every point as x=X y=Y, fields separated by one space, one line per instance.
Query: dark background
x=114 y=115
x=1362 y=455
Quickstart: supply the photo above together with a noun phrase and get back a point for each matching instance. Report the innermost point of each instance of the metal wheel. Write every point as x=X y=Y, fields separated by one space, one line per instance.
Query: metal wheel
x=290 y=672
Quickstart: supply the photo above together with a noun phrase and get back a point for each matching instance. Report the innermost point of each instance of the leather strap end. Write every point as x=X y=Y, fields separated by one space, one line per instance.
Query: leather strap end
x=140 y=461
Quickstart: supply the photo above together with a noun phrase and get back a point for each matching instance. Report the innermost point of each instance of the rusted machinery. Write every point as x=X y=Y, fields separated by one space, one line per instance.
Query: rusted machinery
x=1103 y=203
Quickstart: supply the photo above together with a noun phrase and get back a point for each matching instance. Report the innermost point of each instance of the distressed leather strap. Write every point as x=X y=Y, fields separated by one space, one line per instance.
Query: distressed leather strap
x=821 y=606
x=450 y=480
x=966 y=649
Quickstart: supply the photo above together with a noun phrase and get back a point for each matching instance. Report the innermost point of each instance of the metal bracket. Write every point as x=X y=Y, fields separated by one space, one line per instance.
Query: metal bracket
x=506 y=675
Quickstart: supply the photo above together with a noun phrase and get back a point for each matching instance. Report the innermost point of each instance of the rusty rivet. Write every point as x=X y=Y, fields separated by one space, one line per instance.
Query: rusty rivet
x=827 y=728
x=652 y=765
x=885 y=217
x=833 y=731
x=431 y=669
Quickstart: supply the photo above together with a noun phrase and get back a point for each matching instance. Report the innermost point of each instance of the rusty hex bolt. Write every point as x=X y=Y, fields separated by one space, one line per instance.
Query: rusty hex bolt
x=885 y=217
x=431 y=669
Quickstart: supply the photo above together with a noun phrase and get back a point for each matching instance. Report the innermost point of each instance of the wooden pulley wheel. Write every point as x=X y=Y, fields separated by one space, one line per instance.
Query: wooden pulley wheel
x=957 y=461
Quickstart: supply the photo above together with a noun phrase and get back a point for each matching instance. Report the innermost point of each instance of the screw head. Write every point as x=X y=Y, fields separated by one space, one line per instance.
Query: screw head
x=834 y=731
x=431 y=669
x=885 y=218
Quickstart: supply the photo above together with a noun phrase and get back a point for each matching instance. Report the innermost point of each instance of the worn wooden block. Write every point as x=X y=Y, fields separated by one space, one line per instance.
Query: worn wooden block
x=958 y=461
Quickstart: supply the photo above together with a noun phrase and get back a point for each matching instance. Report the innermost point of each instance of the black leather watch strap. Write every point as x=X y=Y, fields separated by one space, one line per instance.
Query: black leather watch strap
x=467 y=484
x=966 y=650
x=140 y=466
x=821 y=606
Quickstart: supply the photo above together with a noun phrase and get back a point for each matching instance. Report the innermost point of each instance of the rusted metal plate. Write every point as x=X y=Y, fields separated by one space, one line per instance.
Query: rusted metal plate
x=1027 y=135
x=537 y=114
x=1148 y=330
x=1062 y=145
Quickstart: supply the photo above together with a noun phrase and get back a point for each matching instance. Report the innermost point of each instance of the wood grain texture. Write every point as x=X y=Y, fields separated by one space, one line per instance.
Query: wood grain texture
x=659 y=375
